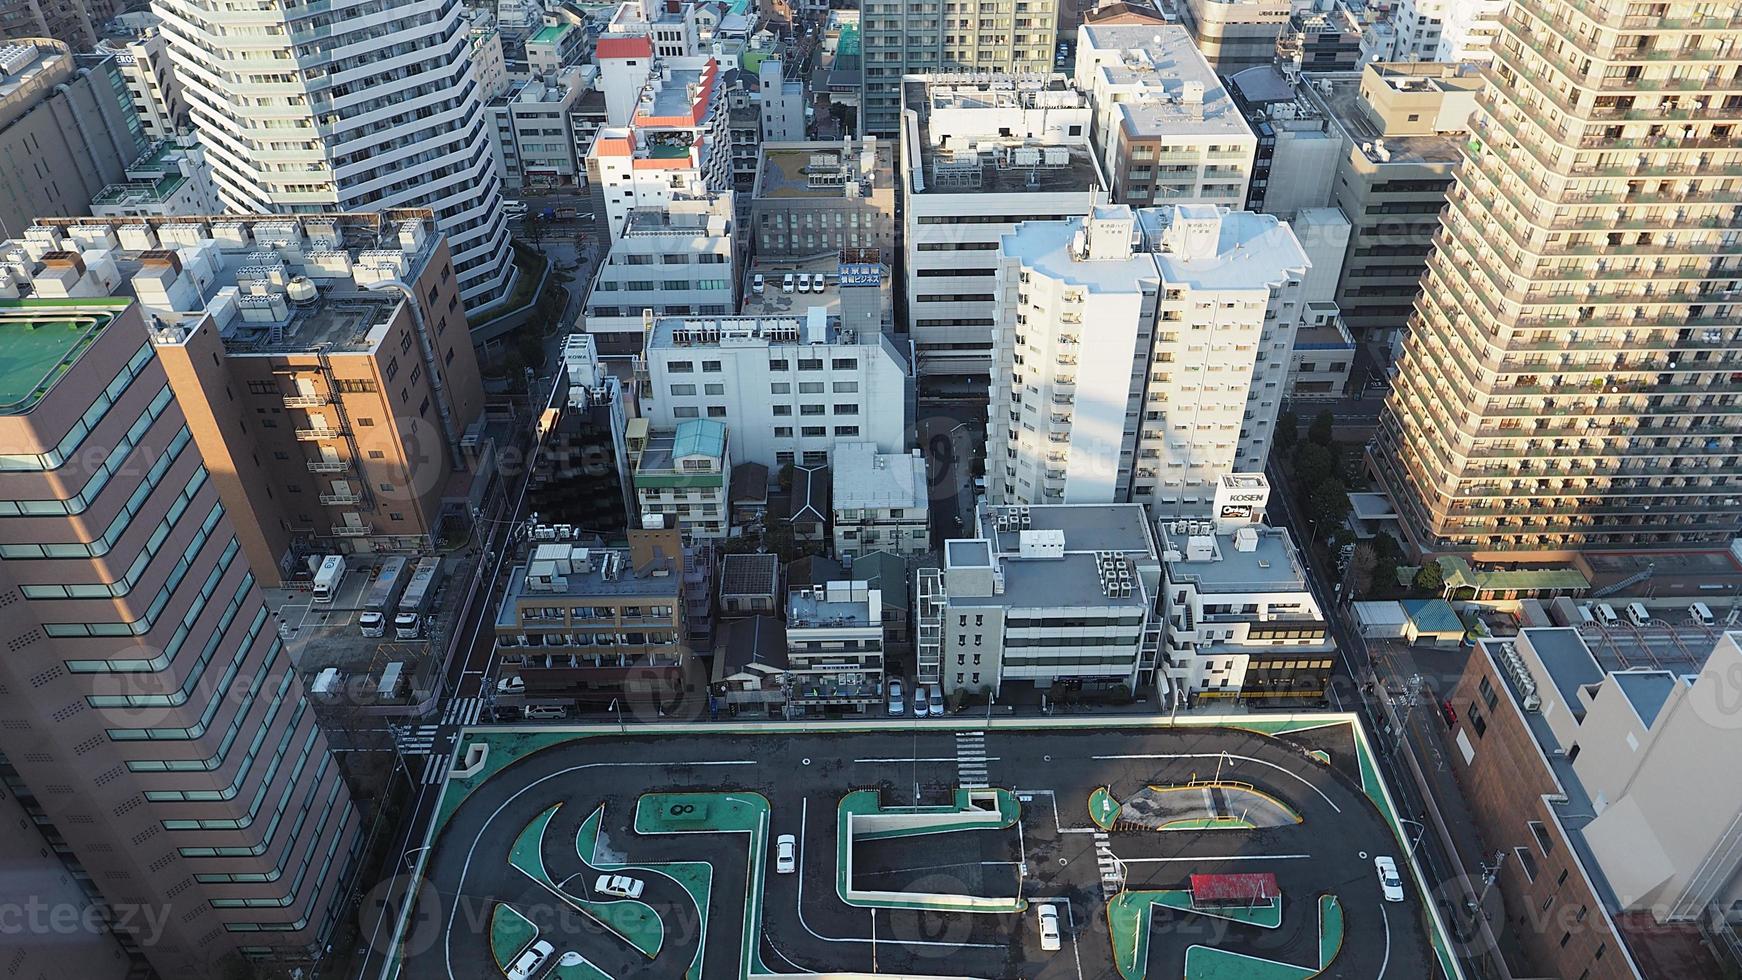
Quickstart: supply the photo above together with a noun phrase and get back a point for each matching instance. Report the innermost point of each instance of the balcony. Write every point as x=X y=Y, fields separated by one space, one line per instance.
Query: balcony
x=328 y=465
x=340 y=499
x=305 y=401
x=352 y=530
x=316 y=435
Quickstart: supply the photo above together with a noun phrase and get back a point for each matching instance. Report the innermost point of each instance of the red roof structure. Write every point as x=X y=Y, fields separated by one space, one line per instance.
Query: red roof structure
x=1240 y=889
x=624 y=47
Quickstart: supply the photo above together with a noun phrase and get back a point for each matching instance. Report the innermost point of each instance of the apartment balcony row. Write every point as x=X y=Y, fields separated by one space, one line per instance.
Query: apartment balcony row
x=305 y=401
x=1514 y=135
x=328 y=465
x=340 y=499
x=352 y=530
x=319 y=433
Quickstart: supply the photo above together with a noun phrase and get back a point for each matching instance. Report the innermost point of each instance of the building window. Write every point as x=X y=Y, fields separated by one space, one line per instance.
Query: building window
x=1543 y=840
x=1488 y=696
x=680 y=367
x=1477 y=721
x=681 y=390
x=1527 y=861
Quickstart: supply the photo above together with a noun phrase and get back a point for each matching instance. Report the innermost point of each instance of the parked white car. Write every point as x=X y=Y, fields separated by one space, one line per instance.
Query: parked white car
x=785 y=854
x=527 y=964
x=1049 y=926
x=621 y=886
x=897 y=707
x=1389 y=882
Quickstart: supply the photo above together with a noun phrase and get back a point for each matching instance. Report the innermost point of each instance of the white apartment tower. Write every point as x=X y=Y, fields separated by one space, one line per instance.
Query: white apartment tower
x=1569 y=380
x=355 y=105
x=1194 y=308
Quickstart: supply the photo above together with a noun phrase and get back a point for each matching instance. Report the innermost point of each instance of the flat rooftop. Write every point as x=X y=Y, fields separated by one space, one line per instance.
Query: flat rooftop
x=343 y=317
x=1343 y=103
x=981 y=162
x=865 y=478
x=1087 y=527
x=625 y=584
x=41 y=339
x=803 y=609
x=1646 y=691
x=818 y=172
x=1157 y=63
x=1252 y=250
x=1045 y=246
x=1272 y=566
x=1568 y=661
x=759 y=331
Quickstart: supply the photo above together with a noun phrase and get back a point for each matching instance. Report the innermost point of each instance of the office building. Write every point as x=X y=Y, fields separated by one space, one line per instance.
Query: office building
x=1242 y=623
x=1580 y=768
x=75 y=23
x=488 y=63
x=672 y=27
x=171 y=179
x=152 y=726
x=1323 y=355
x=152 y=85
x=530 y=135
x=675 y=144
x=834 y=650
x=1578 y=303
x=1140 y=355
x=816 y=197
x=1236 y=34
x=554 y=47
x=906 y=37
x=1403 y=128
x=389 y=118
x=675 y=260
x=979 y=155
x=1165 y=128
x=592 y=625
x=789 y=389
x=67 y=130
x=1052 y=597
x=780 y=102
x=881 y=501
x=322 y=363
x=580 y=476
x=682 y=474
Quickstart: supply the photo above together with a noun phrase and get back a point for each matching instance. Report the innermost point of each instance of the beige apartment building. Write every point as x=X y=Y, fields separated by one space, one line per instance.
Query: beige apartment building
x=1581 y=302
x=323 y=364
x=151 y=723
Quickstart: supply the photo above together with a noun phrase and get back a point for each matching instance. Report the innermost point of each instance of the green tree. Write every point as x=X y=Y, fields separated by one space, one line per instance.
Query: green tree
x=1287 y=431
x=1327 y=503
x=1362 y=566
x=1313 y=465
x=1429 y=577
x=1320 y=430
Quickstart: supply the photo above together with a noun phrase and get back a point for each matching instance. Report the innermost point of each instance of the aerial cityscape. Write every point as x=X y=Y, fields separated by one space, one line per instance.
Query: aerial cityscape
x=1191 y=489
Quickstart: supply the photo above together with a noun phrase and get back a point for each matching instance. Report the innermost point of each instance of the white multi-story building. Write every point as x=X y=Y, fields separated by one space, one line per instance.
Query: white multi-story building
x=530 y=135
x=779 y=102
x=834 y=649
x=674 y=146
x=1043 y=597
x=1140 y=355
x=1241 y=619
x=880 y=501
x=978 y=155
x=674 y=260
x=683 y=473
x=489 y=66
x=1446 y=30
x=317 y=107
x=790 y=388
x=151 y=82
x=1166 y=130
x=673 y=27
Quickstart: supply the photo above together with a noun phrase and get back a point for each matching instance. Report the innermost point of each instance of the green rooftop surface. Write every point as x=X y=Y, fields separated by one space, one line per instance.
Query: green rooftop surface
x=38 y=345
x=550 y=33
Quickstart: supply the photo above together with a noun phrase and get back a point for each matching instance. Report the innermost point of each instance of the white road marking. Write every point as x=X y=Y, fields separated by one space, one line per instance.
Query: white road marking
x=1228 y=755
x=1058 y=825
x=1218 y=857
x=1386 y=919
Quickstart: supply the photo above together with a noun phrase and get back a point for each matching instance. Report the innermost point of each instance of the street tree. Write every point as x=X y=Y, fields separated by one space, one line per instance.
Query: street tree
x=1320 y=430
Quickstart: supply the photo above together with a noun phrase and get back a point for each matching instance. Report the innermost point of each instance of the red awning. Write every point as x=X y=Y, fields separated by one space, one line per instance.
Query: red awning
x=1229 y=889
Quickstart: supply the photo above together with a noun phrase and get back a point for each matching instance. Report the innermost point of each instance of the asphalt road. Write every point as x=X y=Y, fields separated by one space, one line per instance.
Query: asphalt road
x=1051 y=856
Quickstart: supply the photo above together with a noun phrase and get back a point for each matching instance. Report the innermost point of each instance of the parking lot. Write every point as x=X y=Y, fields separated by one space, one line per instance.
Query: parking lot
x=923 y=849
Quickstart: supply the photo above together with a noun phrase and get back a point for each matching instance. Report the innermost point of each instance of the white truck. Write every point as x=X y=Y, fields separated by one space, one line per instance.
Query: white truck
x=382 y=596
x=419 y=596
x=328 y=577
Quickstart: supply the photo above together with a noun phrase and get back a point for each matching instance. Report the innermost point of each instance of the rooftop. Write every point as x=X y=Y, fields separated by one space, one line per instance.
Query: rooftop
x=1271 y=566
x=966 y=151
x=240 y=269
x=1166 y=86
x=29 y=69
x=40 y=339
x=1343 y=103
x=1646 y=691
x=1046 y=247
x=1569 y=663
x=840 y=604
x=1250 y=250
x=1068 y=574
x=757 y=640
x=745 y=574
x=1086 y=527
x=550 y=33
x=755 y=331
x=820 y=170
x=610 y=577
x=865 y=478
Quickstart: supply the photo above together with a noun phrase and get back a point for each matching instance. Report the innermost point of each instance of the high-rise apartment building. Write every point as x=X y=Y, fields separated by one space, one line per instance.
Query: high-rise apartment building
x=322 y=363
x=903 y=37
x=381 y=110
x=1166 y=130
x=1568 y=379
x=65 y=133
x=152 y=725
x=1236 y=34
x=76 y=23
x=1140 y=355
x=979 y=155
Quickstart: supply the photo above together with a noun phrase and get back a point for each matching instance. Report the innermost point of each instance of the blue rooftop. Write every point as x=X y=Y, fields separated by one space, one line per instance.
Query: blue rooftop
x=699 y=437
x=1432 y=616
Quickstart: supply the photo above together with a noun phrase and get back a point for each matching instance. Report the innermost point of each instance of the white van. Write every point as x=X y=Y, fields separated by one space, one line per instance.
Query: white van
x=786 y=283
x=1701 y=613
x=1606 y=614
x=1586 y=617
x=514 y=209
x=1636 y=612
x=547 y=711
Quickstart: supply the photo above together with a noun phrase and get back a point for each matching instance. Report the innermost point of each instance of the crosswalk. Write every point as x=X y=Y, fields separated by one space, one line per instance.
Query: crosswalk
x=421 y=741
x=416 y=741
x=971 y=760
x=1112 y=882
x=435 y=769
x=463 y=711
